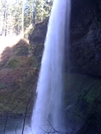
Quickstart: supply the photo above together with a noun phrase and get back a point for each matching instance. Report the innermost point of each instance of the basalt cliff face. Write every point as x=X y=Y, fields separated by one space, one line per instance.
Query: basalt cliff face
x=83 y=88
x=85 y=36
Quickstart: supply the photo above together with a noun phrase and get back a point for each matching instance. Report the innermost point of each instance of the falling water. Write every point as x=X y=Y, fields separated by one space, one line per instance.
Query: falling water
x=47 y=113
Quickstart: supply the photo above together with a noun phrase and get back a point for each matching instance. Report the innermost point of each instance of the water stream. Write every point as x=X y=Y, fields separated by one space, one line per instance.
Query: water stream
x=47 y=113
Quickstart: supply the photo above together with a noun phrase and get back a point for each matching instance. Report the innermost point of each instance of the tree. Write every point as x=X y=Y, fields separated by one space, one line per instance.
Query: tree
x=43 y=9
x=28 y=13
x=23 y=18
x=17 y=15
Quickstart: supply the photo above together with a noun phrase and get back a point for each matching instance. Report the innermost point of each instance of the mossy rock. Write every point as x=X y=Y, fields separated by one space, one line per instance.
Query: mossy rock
x=22 y=62
x=2 y=86
x=13 y=63
x=82 y=98
x=20 y=92
x=21 y=48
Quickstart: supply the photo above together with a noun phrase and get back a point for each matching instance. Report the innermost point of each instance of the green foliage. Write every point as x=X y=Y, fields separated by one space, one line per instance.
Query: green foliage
x=21 y=50
x=13 y=63
x=83 y=94
x=42 y=9
x=11 y=17
x=19 y=15
x=19 y=77
x=3 y=86
x=19 y=91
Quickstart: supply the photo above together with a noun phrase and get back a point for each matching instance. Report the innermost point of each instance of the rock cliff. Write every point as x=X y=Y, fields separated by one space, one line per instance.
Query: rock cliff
x=85 y=36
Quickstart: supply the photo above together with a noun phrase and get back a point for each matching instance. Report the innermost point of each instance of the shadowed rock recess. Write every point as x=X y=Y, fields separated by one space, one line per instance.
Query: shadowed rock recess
x=85 y=36
x=83 y=83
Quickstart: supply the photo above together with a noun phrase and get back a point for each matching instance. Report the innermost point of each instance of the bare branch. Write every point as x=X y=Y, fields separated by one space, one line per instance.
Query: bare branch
x=53 y=130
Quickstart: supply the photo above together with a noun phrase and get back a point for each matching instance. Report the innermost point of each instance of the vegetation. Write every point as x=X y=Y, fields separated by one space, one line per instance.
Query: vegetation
x=19 y=68
x=17 y=16
x=82 y=99
x=18 y=78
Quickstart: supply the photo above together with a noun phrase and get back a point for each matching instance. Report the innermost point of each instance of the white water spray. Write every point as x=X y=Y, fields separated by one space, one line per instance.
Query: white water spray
x=48 y=108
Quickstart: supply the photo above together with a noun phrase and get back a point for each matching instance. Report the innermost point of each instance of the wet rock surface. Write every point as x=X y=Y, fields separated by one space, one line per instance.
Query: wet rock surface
x=85 y=59
x=85 y=36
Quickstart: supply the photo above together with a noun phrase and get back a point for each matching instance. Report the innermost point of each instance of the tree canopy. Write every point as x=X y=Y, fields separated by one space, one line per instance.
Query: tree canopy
x=17 y=15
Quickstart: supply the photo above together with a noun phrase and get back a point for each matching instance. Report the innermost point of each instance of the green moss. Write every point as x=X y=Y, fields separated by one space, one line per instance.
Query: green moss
x=87 y=52
x=18 y=78
x=37 y=50
x=3 y=85
x=13 y=63
x=21 y=48
x=35 y=62
x=22 y=51
x=83 y=93
x=19 y=92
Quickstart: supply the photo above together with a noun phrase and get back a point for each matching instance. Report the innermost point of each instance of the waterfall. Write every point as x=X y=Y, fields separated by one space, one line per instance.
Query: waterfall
x=47 y=113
